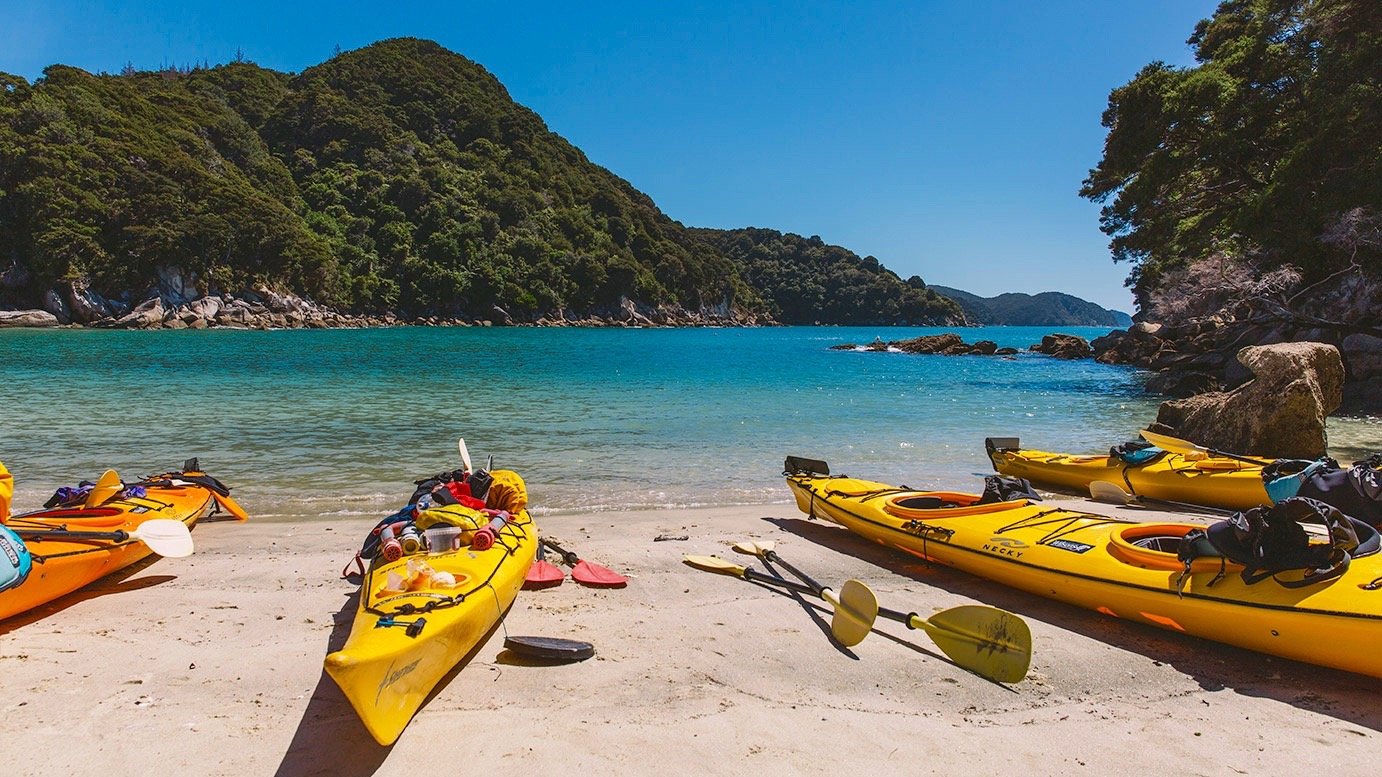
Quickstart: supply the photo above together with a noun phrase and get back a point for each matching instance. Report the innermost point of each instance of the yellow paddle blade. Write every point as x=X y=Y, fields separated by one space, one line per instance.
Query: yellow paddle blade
x=106 y=487
x=856 y=609
x=231 y=506
x=752 y=548
x=1173 y=444
x=713 y=564
x=985 y=640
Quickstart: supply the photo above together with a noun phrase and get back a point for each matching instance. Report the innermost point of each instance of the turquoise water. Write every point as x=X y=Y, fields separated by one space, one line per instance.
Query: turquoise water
x=338 y=422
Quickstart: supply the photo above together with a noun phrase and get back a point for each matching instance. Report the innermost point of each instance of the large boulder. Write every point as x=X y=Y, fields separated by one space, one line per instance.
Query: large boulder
x=21 y=318
x=147 y=314
x=1280 y=412
x=87 y=306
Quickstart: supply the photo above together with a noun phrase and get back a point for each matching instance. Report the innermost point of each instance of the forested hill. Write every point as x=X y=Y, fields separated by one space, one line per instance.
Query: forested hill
x=1046 y=308
x=806 y=281
x=399 y=177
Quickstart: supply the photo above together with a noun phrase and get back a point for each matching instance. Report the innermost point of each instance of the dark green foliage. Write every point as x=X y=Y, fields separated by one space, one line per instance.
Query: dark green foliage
x=399 y=177
x=1049 y=308
x=1265 y=150
x=806 y=281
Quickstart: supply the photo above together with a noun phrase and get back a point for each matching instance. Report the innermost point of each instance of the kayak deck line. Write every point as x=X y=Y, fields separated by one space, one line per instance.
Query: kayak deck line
x=1170 y=593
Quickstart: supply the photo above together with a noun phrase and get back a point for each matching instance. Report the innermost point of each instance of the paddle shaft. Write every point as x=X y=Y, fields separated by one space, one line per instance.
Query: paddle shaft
x=1176 y=442
x=760 y=577
x=571 y=559
x=118 y=535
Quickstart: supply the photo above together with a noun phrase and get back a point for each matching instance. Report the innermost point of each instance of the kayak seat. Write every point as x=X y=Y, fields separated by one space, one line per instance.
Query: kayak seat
x=936 y=505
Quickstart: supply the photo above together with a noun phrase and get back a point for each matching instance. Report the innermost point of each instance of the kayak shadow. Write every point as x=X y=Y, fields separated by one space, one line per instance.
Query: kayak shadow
x=1213 y=665
x=330 y=740
x=115 y=583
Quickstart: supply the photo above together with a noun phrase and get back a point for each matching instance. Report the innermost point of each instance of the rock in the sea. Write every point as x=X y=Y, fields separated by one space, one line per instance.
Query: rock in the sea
x=1280 y=412
x=1063 y=346
x=928 y=343
x=18 y=318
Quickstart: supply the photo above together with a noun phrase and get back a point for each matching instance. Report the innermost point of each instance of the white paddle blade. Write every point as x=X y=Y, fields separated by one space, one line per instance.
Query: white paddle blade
x=465 y=453
x=856 y=609
x=166 y=537
x=1104 y=491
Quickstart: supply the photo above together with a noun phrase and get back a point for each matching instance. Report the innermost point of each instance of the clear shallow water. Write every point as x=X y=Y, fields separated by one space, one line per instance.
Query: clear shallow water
x=338 y=422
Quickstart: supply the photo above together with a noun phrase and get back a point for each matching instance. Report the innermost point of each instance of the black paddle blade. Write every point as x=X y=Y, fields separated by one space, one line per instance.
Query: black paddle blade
x=550 y=648
x=796 y=465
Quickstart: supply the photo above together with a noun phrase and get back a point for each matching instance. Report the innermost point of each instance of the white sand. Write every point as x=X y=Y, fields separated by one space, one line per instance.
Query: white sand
x=211 y=665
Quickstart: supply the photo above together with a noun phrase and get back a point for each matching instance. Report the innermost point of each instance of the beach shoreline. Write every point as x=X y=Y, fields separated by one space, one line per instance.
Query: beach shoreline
x=212 y=665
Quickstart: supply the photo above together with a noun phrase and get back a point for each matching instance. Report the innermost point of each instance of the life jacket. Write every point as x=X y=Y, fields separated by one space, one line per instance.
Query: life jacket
x=1270 y=540
x=1136 y=452
x=15 y=561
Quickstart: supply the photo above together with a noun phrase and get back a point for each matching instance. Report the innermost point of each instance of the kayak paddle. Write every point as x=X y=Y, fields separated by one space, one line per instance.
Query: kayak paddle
x=1112 y=493
x=106 y=487
x=990 y=642
x=231 y=506
x=856 y=608
x=1176 y=445
x=164 y=536
x=543 y=573
x=465 y=453
x=550 y=648
x=585 y=572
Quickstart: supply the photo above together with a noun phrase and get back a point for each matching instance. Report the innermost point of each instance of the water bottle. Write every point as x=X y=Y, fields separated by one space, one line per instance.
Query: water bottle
x=389 y=546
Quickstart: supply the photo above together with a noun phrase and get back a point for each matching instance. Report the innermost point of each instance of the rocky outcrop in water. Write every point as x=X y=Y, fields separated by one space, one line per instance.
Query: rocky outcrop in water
x=1063 y=347
x=947 y=344
x=1280 y=411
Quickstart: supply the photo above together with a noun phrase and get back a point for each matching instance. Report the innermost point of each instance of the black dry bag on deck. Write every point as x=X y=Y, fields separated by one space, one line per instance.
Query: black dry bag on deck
x=1357 y=491
x=998 y=488
x=1270 y=540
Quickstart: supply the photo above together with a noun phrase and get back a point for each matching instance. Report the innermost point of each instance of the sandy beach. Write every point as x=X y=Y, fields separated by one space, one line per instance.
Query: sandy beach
x=211 y=665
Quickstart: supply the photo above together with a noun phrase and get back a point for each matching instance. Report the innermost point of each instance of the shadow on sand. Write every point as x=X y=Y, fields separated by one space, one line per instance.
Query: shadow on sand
x=330 y=739
x=1215 y=666
x=115 y=583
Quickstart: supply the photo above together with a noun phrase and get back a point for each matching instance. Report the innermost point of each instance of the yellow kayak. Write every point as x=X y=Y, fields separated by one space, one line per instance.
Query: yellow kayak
x=1211 y=481
x=420 y=614
x=1119 y=568
x=62 y=564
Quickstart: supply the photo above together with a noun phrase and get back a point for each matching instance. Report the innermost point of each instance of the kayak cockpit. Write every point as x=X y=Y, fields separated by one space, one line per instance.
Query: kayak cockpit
x=936 y=505
x=1155 y=546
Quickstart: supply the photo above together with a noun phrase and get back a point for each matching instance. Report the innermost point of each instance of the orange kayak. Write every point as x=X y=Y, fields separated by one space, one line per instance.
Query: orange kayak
x=61 y=565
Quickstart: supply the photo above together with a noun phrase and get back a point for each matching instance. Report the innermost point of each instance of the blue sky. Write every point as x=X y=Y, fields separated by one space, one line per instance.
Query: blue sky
x=946 y=138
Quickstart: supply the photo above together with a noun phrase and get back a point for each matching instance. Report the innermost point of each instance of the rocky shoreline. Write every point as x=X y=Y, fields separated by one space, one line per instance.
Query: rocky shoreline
x=175 y=307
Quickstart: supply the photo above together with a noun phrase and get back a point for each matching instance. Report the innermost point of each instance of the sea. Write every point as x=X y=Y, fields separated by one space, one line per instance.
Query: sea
x=341 y=422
